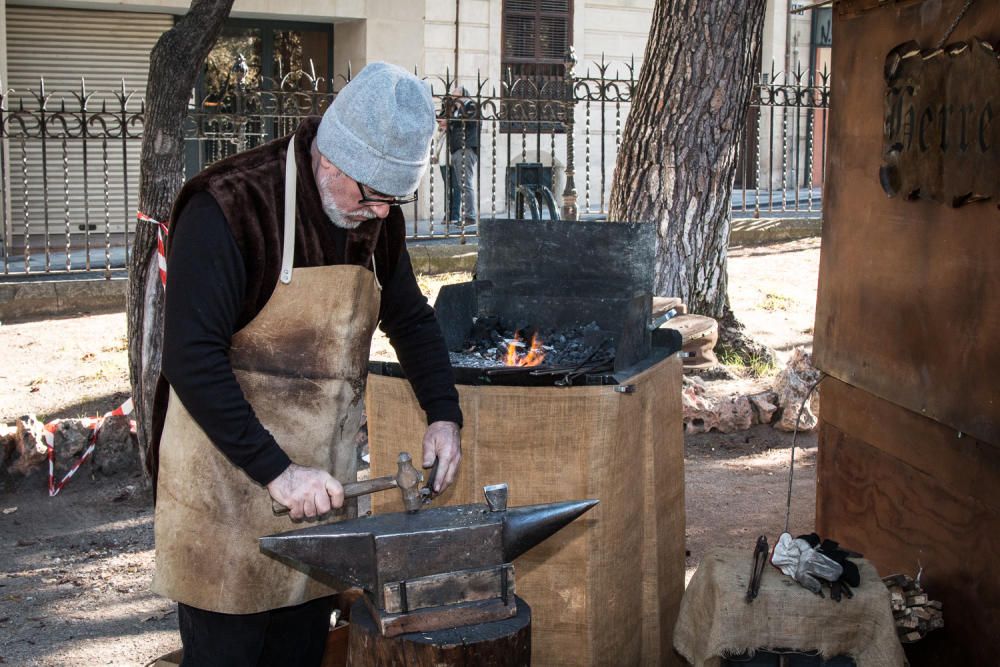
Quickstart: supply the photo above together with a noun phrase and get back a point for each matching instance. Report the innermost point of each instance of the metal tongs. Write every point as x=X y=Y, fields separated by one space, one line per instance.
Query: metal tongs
x=427 y=492
x=760 y=552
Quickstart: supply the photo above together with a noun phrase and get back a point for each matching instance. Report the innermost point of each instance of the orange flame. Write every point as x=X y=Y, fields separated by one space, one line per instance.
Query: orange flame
x=533 y=357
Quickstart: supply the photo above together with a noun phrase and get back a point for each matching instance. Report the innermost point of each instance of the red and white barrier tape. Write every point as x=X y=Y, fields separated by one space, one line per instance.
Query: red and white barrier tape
x=95 y=424
x=161 y=244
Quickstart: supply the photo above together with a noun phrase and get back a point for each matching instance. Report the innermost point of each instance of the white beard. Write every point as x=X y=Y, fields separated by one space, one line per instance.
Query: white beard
x=336 y=214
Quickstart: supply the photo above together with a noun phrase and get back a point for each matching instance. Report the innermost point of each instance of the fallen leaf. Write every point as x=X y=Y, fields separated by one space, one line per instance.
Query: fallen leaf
x=9 y=510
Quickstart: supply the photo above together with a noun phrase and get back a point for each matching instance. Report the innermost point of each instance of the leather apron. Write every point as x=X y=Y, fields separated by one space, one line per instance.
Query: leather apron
x=302 y=364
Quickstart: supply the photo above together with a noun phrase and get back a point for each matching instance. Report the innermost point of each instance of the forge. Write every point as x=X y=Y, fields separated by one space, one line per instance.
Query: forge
x=575 y=298
x=604 y=425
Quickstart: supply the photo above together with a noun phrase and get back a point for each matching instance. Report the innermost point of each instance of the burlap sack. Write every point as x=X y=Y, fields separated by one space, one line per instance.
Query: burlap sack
x=716 y=620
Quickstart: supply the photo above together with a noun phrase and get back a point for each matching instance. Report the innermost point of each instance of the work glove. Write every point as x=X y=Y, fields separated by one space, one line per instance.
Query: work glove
x=798 y=559
x=851 y=578
x=836 y=553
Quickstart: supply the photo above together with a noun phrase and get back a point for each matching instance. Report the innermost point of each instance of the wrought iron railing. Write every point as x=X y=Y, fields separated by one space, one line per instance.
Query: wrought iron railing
x=69 y=161
x=782 y=158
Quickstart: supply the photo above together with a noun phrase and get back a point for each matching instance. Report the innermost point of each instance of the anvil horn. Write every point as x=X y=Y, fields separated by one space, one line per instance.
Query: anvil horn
x=526 y=526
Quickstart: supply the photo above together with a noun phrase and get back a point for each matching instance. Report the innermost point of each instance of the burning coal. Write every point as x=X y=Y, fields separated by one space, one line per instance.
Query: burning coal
x=491 y=344
x=516 y=357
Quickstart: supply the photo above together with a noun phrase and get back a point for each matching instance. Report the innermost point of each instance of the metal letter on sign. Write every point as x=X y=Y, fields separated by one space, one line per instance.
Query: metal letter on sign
x=942 y=123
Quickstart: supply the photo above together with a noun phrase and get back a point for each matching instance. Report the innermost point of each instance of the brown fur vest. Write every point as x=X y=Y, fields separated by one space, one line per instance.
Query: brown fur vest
x=250 y=190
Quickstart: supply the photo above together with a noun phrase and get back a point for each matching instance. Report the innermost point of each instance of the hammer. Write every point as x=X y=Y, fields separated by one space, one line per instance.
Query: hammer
x=407 y=479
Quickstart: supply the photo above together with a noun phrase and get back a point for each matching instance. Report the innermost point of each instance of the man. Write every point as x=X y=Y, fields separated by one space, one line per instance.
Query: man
x=463 y=145
x=450 y=195
x=281 y=262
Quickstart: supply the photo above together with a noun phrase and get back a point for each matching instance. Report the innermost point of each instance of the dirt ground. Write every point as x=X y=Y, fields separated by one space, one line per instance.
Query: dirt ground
x=75 y=569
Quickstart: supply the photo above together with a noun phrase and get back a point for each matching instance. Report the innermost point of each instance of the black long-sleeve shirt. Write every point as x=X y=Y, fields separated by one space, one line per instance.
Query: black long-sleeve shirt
x=206 y=280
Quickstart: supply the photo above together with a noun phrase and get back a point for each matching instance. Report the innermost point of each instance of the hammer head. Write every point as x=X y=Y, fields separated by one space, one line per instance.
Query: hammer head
x=408 y=480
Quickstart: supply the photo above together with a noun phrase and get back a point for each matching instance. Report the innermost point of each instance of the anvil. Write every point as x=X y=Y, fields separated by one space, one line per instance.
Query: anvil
x=439 y=568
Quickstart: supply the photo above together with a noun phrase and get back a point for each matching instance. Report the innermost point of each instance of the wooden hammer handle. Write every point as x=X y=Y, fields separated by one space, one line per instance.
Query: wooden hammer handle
x=351 y=490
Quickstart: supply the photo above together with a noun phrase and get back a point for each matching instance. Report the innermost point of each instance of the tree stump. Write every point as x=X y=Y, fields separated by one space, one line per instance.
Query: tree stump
x=504 y=643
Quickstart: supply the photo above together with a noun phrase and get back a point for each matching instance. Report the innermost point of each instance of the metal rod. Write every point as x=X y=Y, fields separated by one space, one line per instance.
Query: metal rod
x=493 y=179
x=66 y=211
x=435 y=150
x=107 y=209
x=7 y=224
x=797 y=125
x=86 y=172
x=586 y=159
x=770 y=147
x=126 y=201
x=26 y=206
x=43 y=130
x=603 y=68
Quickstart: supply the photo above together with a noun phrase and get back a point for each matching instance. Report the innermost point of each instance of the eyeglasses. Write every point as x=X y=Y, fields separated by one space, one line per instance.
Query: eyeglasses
x=373 y=198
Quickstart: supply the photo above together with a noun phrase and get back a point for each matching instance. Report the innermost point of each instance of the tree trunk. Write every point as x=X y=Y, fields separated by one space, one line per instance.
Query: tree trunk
x=174 y=64
x=678 y=155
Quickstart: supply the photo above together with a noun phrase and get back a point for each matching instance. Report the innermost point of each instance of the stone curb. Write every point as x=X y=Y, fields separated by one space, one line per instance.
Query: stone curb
x=758 y=231
x=437 y=257
x=41 y=299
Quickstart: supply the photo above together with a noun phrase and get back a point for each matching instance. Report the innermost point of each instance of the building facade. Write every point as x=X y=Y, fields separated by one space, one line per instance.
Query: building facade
x=56 y=53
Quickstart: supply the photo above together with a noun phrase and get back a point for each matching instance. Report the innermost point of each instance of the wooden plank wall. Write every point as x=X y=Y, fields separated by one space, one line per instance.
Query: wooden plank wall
x=909 y=291
x=605 y=590
x=908 y=492
x=907 y=326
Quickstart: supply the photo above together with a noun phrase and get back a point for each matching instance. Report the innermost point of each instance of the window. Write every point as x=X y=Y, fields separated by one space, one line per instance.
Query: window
x=536 y=37
x=272 y=50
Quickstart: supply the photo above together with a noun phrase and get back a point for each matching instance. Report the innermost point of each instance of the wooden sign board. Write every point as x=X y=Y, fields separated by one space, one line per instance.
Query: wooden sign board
x=942 y=123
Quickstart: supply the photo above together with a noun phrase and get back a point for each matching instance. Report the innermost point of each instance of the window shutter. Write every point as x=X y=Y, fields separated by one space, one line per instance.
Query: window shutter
x=536 y=37
x=536 y=32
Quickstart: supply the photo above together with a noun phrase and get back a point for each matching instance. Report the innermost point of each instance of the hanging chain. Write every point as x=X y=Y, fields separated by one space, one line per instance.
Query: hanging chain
x=954 y=24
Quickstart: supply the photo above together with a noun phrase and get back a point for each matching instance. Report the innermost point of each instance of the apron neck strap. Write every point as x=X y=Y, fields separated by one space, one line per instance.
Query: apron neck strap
x=288 y=245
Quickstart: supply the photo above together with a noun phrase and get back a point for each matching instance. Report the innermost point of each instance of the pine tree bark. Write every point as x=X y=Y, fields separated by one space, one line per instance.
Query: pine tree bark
x=174 y=64
x=678 y=155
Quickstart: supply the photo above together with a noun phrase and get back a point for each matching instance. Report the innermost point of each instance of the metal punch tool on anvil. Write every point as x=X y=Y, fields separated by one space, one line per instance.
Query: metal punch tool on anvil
x=439 y=568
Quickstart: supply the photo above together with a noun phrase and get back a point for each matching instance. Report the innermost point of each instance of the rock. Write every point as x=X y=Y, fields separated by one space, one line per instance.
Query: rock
x=764 y=405
x=116 y=451
x=72 y=437
x=791 y=387
x=702 y=413
x=8 y=445
x=29 y=445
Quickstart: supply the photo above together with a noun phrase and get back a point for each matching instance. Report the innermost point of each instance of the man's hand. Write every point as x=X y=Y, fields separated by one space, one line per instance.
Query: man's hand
x=443 y=441
x=306 y=492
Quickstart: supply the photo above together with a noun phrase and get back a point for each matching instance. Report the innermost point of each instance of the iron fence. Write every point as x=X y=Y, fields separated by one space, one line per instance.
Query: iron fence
x=542 y=146
x=781 y=162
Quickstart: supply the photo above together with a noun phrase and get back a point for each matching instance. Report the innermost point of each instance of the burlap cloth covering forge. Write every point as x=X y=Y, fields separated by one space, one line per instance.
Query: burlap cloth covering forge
x=715 y=619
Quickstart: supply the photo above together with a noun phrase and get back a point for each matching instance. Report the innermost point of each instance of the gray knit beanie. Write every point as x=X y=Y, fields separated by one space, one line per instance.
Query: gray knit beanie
x=378 y=129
